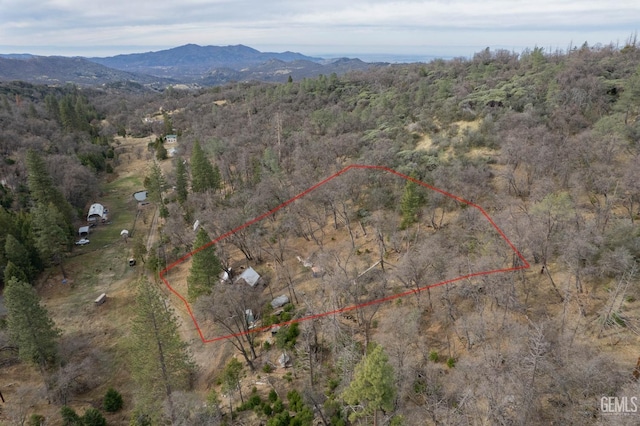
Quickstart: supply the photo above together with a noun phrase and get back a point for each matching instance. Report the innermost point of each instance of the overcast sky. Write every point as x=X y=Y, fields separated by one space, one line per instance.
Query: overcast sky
x=319 y=27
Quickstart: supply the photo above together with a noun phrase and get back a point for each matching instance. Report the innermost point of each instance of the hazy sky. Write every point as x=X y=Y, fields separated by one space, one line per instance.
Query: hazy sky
x=319 y=27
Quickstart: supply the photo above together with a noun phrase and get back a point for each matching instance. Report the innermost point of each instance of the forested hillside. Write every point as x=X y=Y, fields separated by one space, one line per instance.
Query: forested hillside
x=547 y=143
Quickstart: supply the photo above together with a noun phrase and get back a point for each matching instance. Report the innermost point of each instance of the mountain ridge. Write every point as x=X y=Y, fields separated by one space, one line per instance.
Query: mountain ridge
x=187 y=64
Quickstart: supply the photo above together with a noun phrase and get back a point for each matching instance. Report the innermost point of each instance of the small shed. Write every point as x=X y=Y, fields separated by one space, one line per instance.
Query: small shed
x=249 y=276
x=171 y=139
x=96 y=212
x=101 y=299
x=83 y=231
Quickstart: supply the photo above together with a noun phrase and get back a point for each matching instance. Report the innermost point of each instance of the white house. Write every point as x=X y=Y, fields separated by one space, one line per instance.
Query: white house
x=171 y=139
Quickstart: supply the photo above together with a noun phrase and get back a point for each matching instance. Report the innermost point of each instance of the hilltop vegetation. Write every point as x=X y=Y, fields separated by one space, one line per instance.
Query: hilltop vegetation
x=548 y=143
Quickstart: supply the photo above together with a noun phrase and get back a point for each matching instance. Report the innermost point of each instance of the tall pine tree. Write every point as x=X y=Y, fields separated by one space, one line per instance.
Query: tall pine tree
x=205 y=268
x=156 y=185
x=372 y=387
x=161 y=363
x=182 y=185
x=204 y=176
x=29 y=325
x=42 y=189
x=50 y=236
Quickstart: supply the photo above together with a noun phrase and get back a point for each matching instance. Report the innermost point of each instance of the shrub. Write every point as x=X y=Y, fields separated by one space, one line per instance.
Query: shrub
x=69 y=416
x=333 y=384
x=251 y=403
x=267 y=368
x=93 y=417
x=433 y=356
x=266 y=409
x=295 y=400
x=286 y=336
x=278 y=406
x=254 y=401
x=284 y=317
x=36 y=420
x=451 y=362
x=112 y=401
x=273 y=396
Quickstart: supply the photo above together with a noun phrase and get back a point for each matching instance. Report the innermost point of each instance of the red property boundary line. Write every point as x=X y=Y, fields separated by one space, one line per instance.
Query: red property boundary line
x=524 y=263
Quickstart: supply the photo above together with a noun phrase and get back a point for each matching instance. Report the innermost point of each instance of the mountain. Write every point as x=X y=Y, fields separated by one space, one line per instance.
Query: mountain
x=17 y=55
x=62 y=70
x=189 y=64
x=191 y=60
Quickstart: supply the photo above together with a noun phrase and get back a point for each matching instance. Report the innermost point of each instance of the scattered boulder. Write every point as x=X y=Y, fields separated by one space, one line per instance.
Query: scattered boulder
x=279 y=301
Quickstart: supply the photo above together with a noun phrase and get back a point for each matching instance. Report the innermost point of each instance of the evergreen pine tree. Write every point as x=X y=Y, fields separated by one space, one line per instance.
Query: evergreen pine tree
x=68 y=118
x=372 y=386
x=50 y=236
x=38 y=178
x=53 y=107
x=70 y=417
x=15 y=252
x=29 y=325
x=155 y=184
x=13 y=271
x=42 y=189
x=204 y=176
x=93 y=417
x=112 y=401
x=161 y=151
x=205 y=267
x=409 y=204
x=161 y=363
x=182 y=189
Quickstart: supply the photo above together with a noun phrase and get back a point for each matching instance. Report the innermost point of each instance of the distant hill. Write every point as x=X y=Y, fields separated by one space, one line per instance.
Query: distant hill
x=219 y=64
x=63 y=70
x=189 y=64
x=192 y=59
